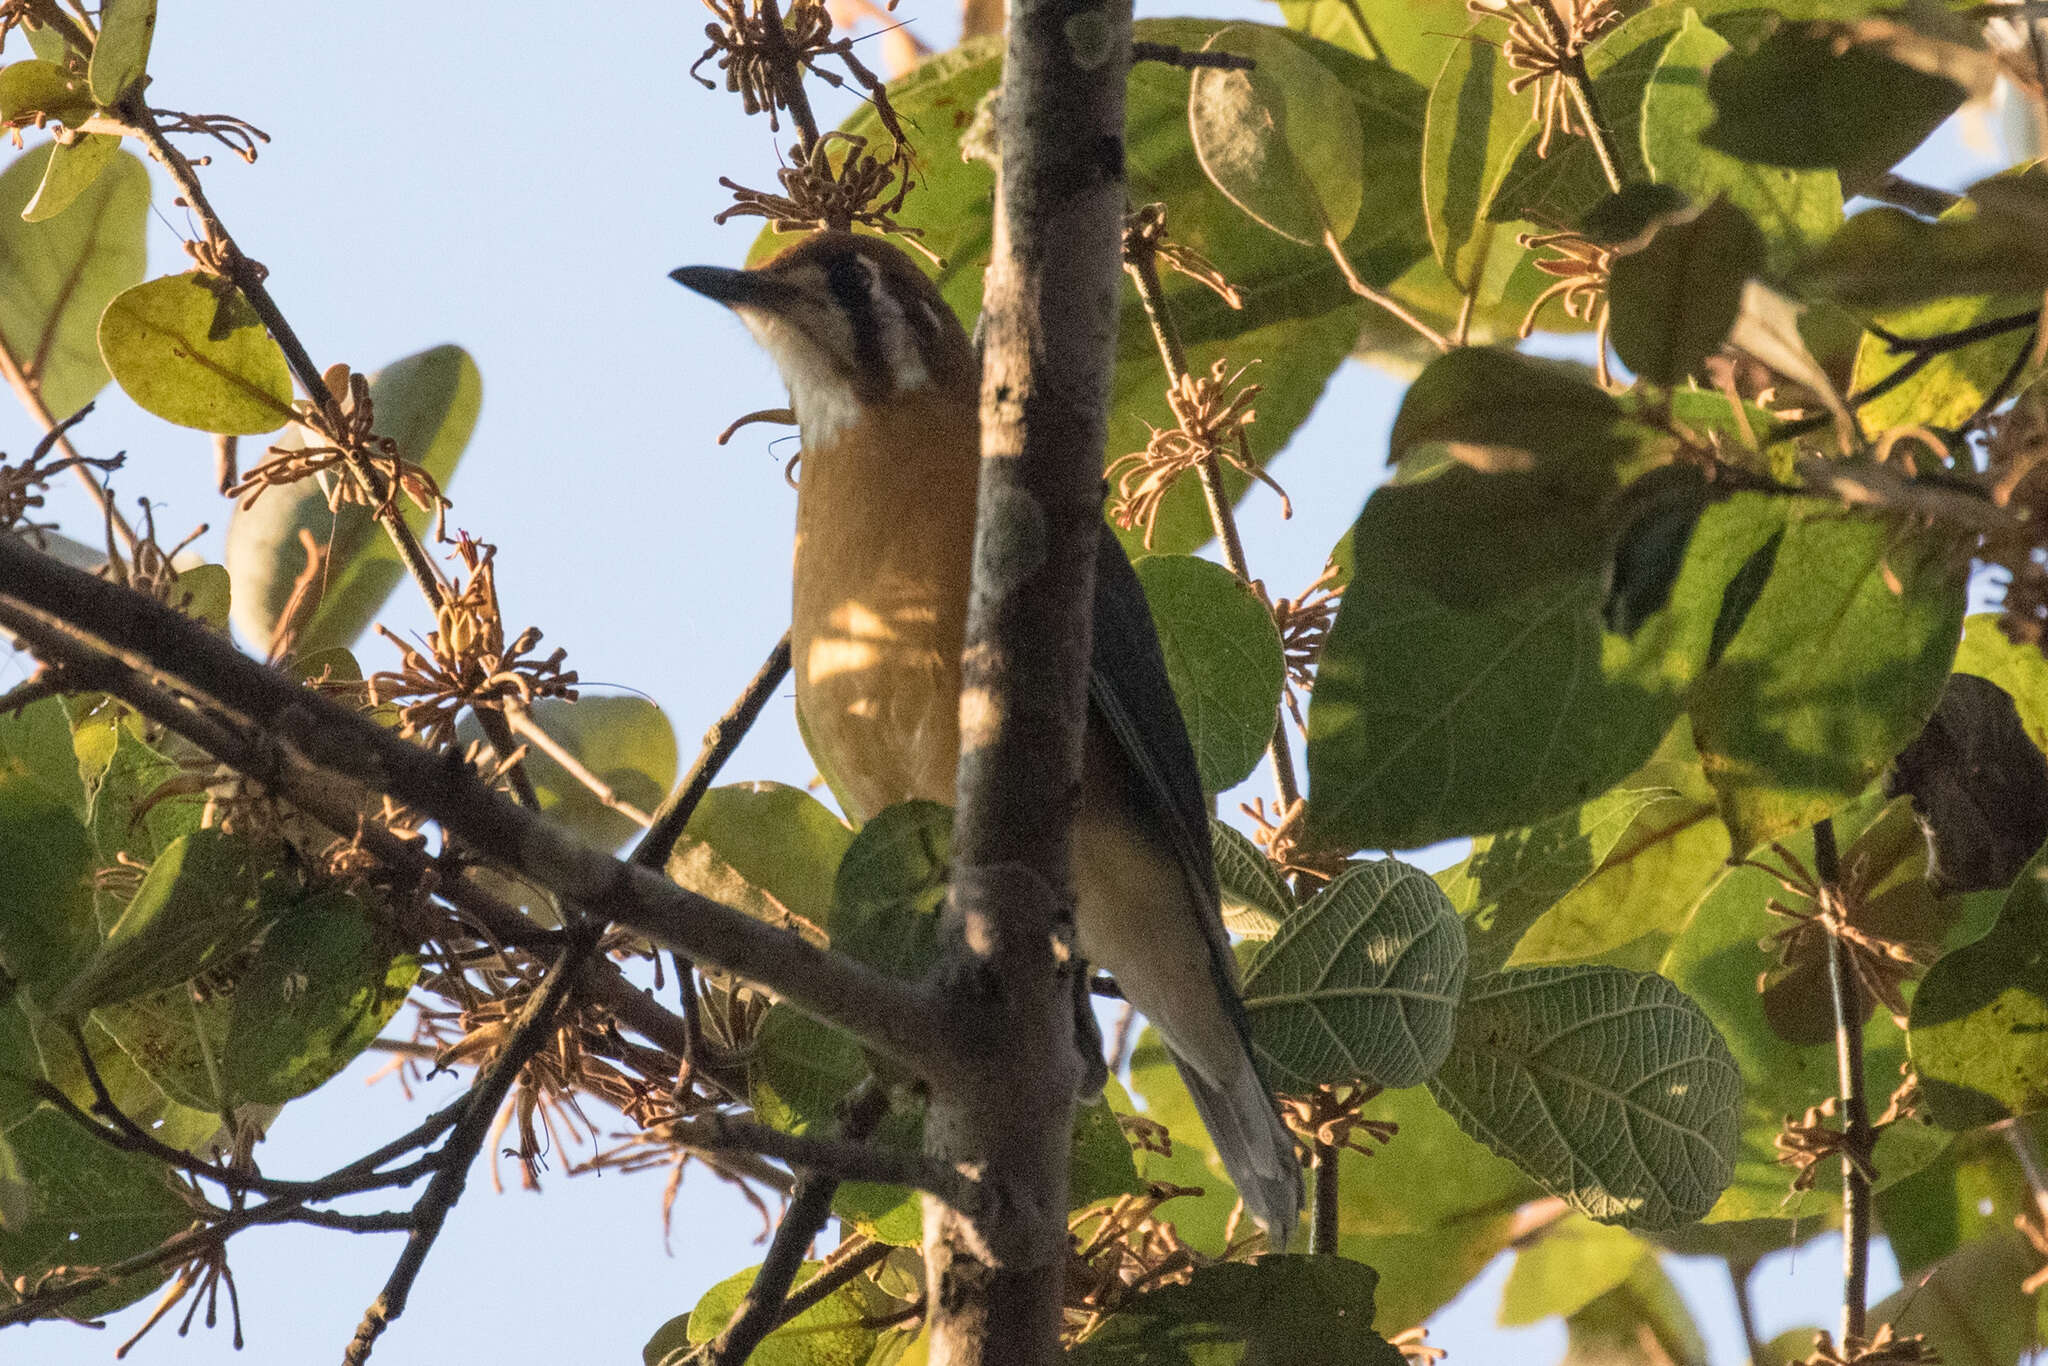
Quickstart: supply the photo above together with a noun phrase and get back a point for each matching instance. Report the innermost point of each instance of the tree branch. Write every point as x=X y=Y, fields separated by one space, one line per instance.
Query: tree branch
x=298 y=743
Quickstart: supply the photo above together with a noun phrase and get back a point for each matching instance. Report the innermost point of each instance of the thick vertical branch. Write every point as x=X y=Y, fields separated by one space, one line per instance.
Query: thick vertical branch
x=1050 y=313
x=1856 y=1133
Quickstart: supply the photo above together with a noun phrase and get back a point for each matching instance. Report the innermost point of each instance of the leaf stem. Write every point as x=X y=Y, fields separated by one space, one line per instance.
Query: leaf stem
x=1857 y=1137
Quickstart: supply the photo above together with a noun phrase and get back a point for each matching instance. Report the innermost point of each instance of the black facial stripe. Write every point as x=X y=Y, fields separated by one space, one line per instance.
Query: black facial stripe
x=851 y=280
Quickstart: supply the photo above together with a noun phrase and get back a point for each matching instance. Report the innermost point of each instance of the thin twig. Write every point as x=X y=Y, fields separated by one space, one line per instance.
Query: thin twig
x=850 y=1161
x=523 y=725
x=788 y=64
x=31 y=396
x=530 y=1034
x=1739 y=1272
x=1386 y=301
x=1857 y=1138
x=1142 y=265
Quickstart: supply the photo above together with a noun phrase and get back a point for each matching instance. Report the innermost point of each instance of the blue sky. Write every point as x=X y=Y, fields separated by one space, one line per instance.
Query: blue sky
x=519 y=179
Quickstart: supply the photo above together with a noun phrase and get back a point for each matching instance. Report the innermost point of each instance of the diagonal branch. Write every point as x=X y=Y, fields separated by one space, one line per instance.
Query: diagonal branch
x=299 y=743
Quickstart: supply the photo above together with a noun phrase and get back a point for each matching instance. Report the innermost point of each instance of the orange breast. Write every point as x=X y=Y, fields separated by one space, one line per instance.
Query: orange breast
x=885 y=531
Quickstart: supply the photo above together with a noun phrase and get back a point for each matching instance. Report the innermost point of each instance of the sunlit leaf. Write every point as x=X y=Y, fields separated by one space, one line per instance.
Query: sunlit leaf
x=72 y=169
x=121 y=52
x=1979 y=1027
x=191 y=350
x=627 y=743
x=765 y=848
x=1573 y=1263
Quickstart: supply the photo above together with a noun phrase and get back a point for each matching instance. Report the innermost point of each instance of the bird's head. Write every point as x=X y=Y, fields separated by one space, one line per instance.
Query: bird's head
x=851 y=321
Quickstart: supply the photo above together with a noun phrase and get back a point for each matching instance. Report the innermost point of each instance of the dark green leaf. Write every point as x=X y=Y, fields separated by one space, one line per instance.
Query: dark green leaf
x=1362 y=982
x=1255 y=896
x=1223 y=659
x=195 y=908
x=121 y=53
x=46 y=920
x=35 y=743
x=324 y=983
x=2021 y=670
x=191 y=350
x=1832 y=672
x=1280 y=140
x=1309 y=1311
x=1980 y=1020
x=1675 y=301
x=56 y=277
x=1971 y=1307
x=891 y=887
x=89 y=1204
x=1992 y=244
x=1854 y=98
x=1973 y=1189
x=1611 y=1088
x=428 y=404
x=1795 y=210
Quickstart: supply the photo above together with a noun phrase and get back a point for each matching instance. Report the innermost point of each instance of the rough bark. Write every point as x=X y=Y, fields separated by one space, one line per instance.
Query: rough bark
x=1049 y=317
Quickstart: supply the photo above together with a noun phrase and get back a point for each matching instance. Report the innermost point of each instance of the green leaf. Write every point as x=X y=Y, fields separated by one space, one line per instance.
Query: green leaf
x=1280 y=140
x=1223 y=659
x=1407 y=35
x=626 y=742
x=324 y=983
x=35 y=743
x=800 y=1070
x=1360 y=983
x=42 y=90
x=1979 y=1030
x=1672 y=854
x=1991 y=244
x=191 y=350
x=1832 y=671
x=1795 y=210
x=1101 y=1167
x=1948 y=388
x=1675 y=301
x=89 y=1204
x=202 y=593
x=764 y=848
x=195 y=908
x=73 y=167
x=1511 y=880
x=891 y=889
x=133 y=812
x=1473 y=132
x=1971 y=1306
x=829 y=1333
x=1295 y=302
x=1255 y=897
x=1573 y=1263
x=1836 y=96
x=1611 y=1088
x=121 y=53
x=426 y=402
x=46 y=921
x=1974 y=1188
x=1308 y=1311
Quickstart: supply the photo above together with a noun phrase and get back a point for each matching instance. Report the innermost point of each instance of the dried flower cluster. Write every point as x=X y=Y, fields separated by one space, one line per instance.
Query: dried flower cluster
x=369 y=469
x=467 y=662
x=1213 y=411
x=1548 y=47
x=1304 y=624
x=818 y=194
x=1883 y=1348
x=1582 y=269
x=1329 y=1116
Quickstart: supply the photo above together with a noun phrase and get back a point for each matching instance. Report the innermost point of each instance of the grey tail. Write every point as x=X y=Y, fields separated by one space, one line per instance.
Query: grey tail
x=1256 y=1148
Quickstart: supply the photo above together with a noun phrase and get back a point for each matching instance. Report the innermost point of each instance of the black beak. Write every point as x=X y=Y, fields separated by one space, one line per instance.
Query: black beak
x=732 y=288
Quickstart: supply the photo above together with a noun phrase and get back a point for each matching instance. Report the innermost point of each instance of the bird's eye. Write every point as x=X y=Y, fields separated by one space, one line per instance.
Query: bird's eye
x=852 y=280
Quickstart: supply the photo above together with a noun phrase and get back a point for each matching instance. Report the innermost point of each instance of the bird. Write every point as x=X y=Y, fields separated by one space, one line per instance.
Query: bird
x=885 y=387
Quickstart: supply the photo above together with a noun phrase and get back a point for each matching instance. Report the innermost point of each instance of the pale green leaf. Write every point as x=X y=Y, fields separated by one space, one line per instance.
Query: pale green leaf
x=121 y=53
x=191 y=350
